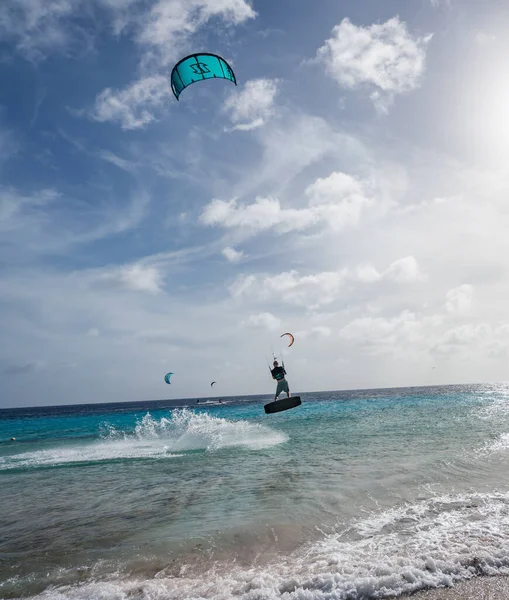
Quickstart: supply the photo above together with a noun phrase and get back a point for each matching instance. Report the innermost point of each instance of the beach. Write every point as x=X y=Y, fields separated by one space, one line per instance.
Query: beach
x=360 y=494
x=481 y=588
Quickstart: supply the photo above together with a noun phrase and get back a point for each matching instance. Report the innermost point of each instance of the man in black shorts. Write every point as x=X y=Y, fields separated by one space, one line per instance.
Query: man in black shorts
x=278 y=373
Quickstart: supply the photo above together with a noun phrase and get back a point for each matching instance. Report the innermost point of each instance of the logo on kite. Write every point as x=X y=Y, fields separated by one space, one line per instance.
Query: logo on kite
x=197 y=67
x=292 y=339
x=200 y=69
x=167 y=377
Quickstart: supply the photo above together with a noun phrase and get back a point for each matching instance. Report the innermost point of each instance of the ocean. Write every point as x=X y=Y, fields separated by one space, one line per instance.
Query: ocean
x=354 y=494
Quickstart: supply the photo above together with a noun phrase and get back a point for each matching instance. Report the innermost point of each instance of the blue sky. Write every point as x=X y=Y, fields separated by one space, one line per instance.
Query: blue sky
x=352 y=189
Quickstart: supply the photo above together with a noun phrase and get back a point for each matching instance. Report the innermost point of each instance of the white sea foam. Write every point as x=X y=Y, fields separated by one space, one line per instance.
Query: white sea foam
x=154 y=438
x=500 y=444
x=427 y=544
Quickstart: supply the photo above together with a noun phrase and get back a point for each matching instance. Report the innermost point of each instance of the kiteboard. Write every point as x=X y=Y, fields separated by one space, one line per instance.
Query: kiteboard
x=283 y=404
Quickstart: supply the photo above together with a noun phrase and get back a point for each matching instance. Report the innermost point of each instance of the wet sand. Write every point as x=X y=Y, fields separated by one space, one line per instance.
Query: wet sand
x=478 y=588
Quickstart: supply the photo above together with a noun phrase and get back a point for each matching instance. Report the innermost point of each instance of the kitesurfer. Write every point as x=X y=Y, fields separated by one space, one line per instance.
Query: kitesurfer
x=278 y=373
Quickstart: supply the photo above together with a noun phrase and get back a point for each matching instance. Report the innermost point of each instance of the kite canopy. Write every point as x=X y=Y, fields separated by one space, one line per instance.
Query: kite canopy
x=167 y=377
x=197 y=67
x=212 y=383
x=292 y=339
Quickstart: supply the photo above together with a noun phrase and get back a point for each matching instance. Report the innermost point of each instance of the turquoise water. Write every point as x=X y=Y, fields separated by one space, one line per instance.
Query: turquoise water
x=352 y=495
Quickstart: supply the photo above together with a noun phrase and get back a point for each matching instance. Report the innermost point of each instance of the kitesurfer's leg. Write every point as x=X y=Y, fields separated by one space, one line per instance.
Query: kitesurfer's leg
x=282 y=386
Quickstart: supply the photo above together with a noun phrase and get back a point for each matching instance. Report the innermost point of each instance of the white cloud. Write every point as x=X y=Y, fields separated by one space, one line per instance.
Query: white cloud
x=264 y=320
x=484 y=38
x=171 y=22
x=379 y=335
x=253 y=105
x=404 y=270
x=113 y=222
x=231 y=254
x=235 y=11
x=428 y=205
x=382 y=102
x=249 y=126
x=137 y=277
x=292 y=288
x=121 y=13
x=293 y=143
x=36 y=26
x=384 y=56
x=264 y=213
x=460 y=338
x=145 y=275
x=242 y=285
x=367 y=274
x=465 y=334
x=458 y=301
x=119 y=162
x=336 y=187
x=317 y=332
x=39 y=27
x=135 y=106
x=321 y=288
x=339 y=199
x=377 y=331
x=17 y=210
x=335 y=202
x=48 y=222
x=422 y=337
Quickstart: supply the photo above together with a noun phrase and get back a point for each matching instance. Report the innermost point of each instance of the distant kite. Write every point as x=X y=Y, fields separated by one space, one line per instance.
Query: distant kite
x=292 y=339
x=198 y=67
x=167 y=377
x=212 y=383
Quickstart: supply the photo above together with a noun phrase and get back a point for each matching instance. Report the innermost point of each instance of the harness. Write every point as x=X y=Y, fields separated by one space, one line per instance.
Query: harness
x=280 y=373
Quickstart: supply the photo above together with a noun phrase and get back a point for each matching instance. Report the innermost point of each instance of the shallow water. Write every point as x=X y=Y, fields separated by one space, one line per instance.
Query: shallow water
x=352 y=495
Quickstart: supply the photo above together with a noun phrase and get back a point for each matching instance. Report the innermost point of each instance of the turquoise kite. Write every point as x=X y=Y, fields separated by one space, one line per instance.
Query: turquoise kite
x=167 y=377
x=198 y=67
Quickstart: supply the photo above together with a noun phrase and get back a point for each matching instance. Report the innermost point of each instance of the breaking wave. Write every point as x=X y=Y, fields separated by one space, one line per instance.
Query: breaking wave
x=169 y=437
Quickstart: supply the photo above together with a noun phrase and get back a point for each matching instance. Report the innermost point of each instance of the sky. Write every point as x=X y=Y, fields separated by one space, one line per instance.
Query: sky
x=352 y=189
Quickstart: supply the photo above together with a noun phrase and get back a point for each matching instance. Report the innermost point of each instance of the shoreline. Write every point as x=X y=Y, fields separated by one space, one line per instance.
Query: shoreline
x=487 y=587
